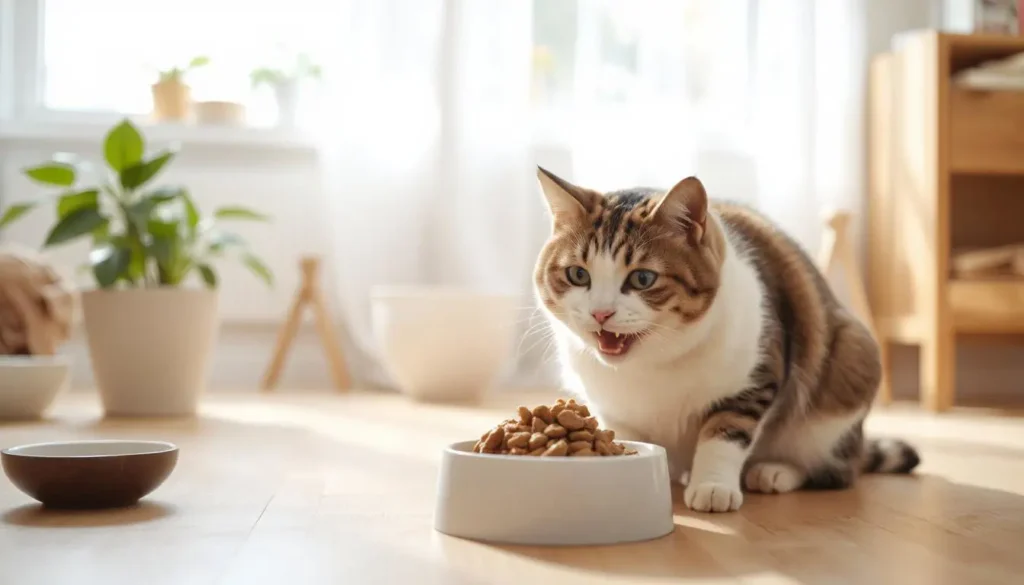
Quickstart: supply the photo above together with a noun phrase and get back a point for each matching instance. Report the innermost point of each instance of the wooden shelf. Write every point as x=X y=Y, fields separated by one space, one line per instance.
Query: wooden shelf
x=984 y=132
x=987 y=306
x=946 y=166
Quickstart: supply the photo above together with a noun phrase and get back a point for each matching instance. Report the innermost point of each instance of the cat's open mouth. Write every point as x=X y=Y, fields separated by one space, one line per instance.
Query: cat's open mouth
x=609 y=343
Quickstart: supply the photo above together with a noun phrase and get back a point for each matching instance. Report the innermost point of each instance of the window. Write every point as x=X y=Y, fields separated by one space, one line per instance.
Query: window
x=600 y=54
x=104 y=55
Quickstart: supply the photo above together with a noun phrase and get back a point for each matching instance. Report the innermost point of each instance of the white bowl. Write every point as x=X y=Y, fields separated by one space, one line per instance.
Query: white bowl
x=443 y=344
x=29 y=384
x=516 y=499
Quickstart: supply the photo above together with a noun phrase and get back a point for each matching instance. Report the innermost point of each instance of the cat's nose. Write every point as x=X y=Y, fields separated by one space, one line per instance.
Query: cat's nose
x=602 y=316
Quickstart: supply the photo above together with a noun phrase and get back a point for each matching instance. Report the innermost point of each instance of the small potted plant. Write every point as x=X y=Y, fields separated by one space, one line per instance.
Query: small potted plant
x=171 y=94
x=152 y=319
x=286 y=82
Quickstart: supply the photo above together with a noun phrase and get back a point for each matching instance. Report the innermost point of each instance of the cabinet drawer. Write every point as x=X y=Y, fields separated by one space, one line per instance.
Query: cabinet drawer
x=986 y=131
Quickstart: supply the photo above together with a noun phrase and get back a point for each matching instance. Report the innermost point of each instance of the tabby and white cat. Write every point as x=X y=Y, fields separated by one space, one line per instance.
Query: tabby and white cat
x=706 y=330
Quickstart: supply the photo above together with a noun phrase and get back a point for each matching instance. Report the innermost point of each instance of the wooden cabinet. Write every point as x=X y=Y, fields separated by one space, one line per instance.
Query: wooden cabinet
x=946 y=171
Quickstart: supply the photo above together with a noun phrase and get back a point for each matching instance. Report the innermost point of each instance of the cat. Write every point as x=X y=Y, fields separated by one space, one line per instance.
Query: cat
x=705 y=329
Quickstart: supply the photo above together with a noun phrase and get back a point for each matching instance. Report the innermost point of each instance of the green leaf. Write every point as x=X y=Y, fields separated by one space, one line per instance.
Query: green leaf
x=78 y=223
x=219 y=241
x=239 y=213
x=123 y=147
x=258 y=268
x=139 y=174
x=14 y=212
x=198 y=62
x=140 y=211
x=209 y=276
x=165 y=243
x=109 y=263
x=71 y=202
x=191 y=213
x=55 y=173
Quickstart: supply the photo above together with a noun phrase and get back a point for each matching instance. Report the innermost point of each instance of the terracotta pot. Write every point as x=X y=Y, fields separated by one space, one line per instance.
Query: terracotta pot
x=171 y=101
x=150 y=348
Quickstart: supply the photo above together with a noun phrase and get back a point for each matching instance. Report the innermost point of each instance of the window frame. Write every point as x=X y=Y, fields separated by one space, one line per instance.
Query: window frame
x=25 y=116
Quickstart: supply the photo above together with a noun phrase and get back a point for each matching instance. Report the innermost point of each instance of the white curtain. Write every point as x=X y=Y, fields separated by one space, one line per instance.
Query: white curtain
x=440 y=113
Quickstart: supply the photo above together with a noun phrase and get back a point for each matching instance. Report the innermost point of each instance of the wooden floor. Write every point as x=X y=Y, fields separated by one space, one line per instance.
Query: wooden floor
x=311 y=489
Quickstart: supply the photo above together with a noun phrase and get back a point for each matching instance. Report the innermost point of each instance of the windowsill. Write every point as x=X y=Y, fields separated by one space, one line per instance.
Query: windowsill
x=186 y=134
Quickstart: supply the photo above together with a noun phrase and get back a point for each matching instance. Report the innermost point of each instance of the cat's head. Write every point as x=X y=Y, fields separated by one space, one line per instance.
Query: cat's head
x=633 y=273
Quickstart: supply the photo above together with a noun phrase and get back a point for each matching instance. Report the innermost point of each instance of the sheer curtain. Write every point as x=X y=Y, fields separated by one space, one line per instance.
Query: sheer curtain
x=439 y=113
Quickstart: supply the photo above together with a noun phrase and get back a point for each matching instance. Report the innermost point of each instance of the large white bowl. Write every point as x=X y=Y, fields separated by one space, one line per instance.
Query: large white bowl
x=29 y=384
x=443 y=344
x=515 y=499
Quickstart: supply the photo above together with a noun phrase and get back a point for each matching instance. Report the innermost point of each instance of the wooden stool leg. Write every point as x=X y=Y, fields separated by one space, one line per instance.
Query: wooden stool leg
x=309 y=293
x=284 y=341
x=938 y=371
x=325 y=328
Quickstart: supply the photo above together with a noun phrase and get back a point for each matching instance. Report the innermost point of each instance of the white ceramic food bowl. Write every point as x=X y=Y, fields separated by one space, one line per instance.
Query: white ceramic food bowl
x=29 y=384
x=443 y=344
x=515 y=499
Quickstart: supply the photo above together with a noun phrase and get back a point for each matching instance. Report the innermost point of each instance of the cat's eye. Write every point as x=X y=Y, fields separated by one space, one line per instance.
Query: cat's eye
x=641 y=279
x=578 y=275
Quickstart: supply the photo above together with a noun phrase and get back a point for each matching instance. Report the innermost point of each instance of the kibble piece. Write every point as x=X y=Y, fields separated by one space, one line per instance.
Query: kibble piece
x=559 y=448
x=525 y=415
x=630 y=452
x=616 y=448
x=579 y=446
x=517 y=451
x=583 y=435
x=538 y=425
x=570 y=420
x=588 y=452
x=511 y=428
x=605 y=435
x=493 y=441
x=555 y=431
x=544 y=413
x=519 y=440
x=538 y=451
x=590 y=423
x=602 y=448
x=538 y=440
x=582 y=410
x=556 y=410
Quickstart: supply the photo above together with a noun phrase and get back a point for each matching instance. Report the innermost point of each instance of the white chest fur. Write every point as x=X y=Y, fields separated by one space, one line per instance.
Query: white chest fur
x=661 y=401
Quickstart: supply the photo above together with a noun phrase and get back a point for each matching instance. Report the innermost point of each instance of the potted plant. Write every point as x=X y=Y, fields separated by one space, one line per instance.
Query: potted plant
x=286 y=82
x=171 y=94
x=151 y=321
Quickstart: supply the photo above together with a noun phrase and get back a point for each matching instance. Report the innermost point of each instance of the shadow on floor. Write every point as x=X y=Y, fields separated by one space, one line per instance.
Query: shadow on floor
x=36 y=515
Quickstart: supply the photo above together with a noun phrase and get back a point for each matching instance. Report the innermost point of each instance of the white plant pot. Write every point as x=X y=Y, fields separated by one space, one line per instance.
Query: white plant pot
x=150 y=348
x=443 y=345
x=287 y=95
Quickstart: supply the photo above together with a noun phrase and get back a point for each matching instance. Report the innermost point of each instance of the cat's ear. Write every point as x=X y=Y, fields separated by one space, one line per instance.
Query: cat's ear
x=566 y=201
x=685 y=205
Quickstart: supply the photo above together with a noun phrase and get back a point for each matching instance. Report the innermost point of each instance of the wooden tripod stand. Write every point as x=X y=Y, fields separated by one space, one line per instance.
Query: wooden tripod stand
x=836 y=249
x=309 y=293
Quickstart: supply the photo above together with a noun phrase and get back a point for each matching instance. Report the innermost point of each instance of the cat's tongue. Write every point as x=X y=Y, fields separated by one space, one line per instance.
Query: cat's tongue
x=613 y=343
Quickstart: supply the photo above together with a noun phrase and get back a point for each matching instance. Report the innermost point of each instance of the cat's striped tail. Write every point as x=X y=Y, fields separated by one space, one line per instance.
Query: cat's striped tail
x=889 y=456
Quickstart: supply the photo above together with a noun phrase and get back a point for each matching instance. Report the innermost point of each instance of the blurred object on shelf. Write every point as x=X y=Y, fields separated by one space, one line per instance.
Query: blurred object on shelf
x=1001 y=261
x=981 y=16
x=36 y=305
x=220 y=113
x=997 y=74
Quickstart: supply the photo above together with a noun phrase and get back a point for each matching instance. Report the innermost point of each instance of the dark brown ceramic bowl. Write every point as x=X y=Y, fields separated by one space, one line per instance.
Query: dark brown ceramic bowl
x=89 y=474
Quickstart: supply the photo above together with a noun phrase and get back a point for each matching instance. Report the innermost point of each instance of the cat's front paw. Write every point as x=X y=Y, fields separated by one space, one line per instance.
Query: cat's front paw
x=711 y=496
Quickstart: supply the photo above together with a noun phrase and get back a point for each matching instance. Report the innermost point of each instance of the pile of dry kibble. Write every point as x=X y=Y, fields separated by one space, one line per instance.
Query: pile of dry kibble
x=563 y=429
